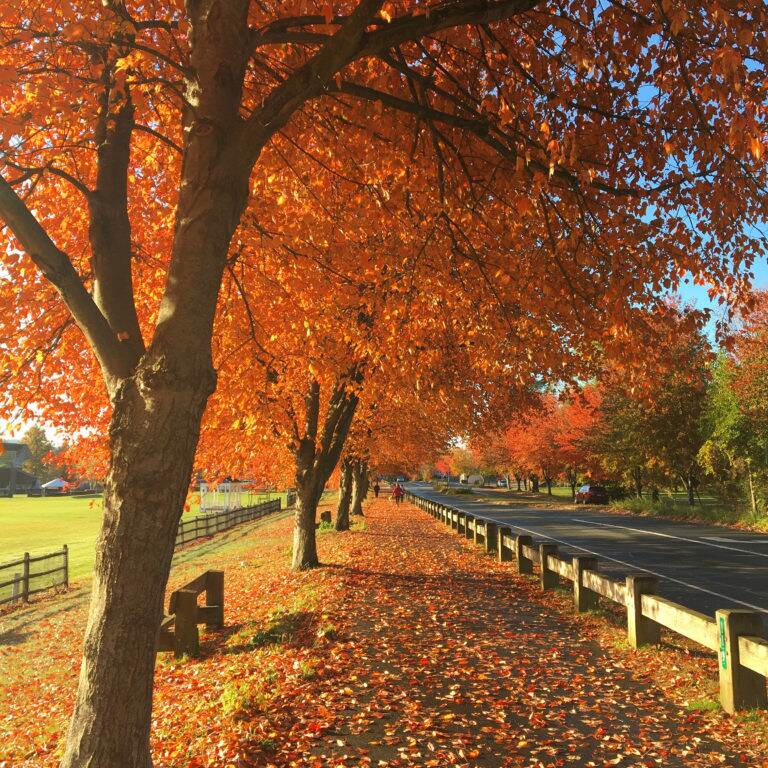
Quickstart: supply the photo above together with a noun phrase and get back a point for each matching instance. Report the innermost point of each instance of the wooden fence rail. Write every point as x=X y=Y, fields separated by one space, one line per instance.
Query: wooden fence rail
x=27 y=576
x=22 y=578
x=737 y=636
x=207 y=525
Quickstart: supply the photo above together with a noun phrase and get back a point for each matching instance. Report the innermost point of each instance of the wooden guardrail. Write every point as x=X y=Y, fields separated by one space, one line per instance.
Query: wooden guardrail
x=22 y=578
x=178 y=629
x=737 y=636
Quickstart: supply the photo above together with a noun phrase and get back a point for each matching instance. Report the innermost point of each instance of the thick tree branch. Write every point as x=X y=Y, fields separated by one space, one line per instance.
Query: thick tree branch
x=57 y=268
x=110 y=226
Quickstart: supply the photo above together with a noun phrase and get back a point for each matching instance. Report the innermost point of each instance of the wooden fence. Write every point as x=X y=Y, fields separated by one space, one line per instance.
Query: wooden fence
x=737 y=636
x=29 y=575
x=207 y=525
x=22 y=578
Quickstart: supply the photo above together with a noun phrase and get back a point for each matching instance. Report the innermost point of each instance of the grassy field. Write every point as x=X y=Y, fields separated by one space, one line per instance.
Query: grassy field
x=42 y=525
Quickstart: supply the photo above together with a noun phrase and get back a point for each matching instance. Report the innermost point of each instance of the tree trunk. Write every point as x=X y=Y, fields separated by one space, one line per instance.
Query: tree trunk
x=518 y=480
x=153 y=435
x=548 y=481
x=304 y=539
x=359 y=486
x=691 y=488
x=534 y=483
x=752 y=499
x=345 y=496
x=637 y=476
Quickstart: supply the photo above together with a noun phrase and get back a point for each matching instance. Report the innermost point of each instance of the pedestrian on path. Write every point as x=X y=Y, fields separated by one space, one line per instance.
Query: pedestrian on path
x=376 y=489
x=398 y=493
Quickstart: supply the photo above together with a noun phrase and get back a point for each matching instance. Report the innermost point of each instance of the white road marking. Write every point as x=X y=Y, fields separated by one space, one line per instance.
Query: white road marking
x=734 y=541
x=672 y=536
x=631 y=566
x=635 y=567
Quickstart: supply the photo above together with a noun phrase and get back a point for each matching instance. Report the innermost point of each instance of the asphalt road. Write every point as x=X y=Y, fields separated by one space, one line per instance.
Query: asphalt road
x=700 y=566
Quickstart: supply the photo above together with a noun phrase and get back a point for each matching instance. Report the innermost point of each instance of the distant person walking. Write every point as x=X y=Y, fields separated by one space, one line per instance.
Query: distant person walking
x=376 y=489
x=398 y=493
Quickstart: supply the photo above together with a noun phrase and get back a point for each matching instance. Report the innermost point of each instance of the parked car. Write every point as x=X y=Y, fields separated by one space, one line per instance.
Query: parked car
x=501 y=483
x=592 y=494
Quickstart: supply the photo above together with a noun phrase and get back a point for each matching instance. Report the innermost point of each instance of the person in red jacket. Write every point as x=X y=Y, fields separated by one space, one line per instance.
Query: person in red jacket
x=398 y=493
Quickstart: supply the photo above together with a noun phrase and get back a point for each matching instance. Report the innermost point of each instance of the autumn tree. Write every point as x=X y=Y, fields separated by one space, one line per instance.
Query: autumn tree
x=577 y=421
x=140 y=145
x=532 y=442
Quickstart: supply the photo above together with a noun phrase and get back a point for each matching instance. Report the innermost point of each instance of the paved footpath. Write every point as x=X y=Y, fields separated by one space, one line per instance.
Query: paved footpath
x=454 y=660
x=703 y=567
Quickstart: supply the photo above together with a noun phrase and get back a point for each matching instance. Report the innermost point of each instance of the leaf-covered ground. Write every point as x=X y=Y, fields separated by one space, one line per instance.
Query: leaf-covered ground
x=409 y=648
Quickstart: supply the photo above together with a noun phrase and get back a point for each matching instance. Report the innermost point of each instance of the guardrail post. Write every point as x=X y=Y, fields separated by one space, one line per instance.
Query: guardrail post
x=454 y=519
x=25 y=579
x=491 y=538
x=583 y=599
x=477 y=536
x=549 y=578
x=504 y=552
x=640 y=629
x=214 y=597
x=469 y=526
x=65 y=550
x=524 y=565
x=461 y=523
x=185 y=637
x=740 y=688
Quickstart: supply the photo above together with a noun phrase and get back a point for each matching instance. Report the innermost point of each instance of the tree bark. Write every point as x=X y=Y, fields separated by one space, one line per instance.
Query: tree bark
x=345 y=495
x=534 y=484
x=153 y=435
x=548 y=481
x=316 y=454
x=359 y=486
x=304 y=538
x=637 y=476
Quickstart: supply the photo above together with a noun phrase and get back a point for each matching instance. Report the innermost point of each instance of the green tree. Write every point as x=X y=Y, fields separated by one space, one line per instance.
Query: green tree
x=733 y=448
x=40 y=448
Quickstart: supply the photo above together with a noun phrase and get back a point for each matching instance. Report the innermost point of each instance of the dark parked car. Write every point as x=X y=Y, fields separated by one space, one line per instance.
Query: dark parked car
x=592 y=494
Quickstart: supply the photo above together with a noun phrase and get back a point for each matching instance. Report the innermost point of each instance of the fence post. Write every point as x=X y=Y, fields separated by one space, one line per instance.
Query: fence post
x=524 y=565
x=461 y=523
x=25 y=577
x=583 y=598
x=15 y=591
x=549 y=578
x=66 y=566
x=477 y=536
x=185 y=637
x=504 y=553
x=491 y=537
x=469 y=526
x=454 y=519
x=640 y=629
x=214 y=596
x=740 y=688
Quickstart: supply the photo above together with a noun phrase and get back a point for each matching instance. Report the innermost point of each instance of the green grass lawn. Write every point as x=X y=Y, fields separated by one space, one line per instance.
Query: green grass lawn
x=42 y=525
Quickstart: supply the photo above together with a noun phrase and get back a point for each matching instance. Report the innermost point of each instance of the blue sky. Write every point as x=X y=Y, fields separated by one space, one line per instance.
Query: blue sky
x=697 y=294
